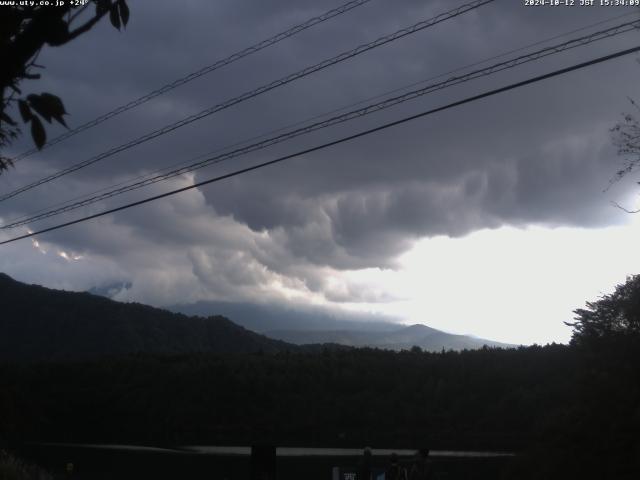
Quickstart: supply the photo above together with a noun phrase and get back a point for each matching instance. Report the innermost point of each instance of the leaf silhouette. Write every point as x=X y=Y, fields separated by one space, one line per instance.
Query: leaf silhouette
x=114 y=16
x=53 y=107
x=5 y=163
x=37 y=132
x=35 y=101
x=102 y=6
x=124 y=11
x=6 y=118
x=25 y=111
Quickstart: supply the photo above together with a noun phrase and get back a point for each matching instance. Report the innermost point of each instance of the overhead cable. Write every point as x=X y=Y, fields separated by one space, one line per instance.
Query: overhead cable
x=199 y=73
x=370 y=131
x=375 y=107
x=253 y=93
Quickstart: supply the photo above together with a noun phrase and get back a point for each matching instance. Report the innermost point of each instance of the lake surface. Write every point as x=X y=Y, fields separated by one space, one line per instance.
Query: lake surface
x=190 y=462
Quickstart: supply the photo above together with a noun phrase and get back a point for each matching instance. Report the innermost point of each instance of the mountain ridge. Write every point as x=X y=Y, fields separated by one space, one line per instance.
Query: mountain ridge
x=315 y=326
x=403 y=338
x=42 y=324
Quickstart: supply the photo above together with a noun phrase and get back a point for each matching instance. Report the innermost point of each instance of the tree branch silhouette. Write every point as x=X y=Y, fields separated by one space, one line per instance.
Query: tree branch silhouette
x=24 y=31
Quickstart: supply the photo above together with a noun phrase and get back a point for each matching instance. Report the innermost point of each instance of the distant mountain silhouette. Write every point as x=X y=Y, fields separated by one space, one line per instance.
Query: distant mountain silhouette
x=317 y=326
x=402 y=338
x=264 y=318
x=38 y=323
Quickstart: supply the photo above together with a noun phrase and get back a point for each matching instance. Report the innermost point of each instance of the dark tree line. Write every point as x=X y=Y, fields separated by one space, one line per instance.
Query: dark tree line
x=451 y=400
x=568 y=408
x=571 y=411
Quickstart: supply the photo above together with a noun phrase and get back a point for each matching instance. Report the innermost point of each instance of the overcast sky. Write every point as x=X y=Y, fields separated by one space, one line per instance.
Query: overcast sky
x=489 y=218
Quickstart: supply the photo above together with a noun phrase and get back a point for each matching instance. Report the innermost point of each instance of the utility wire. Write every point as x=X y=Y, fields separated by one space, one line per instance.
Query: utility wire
x=283 y=128
x=376 y=107
x=370 y=131
x=318 y=116
x=315 y=117
x=199 y=73
x=258 y=91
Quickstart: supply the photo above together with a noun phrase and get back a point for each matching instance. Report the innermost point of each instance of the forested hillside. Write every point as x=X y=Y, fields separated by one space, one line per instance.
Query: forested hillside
x=38 y=323
x=563 y=407
x=570 y=411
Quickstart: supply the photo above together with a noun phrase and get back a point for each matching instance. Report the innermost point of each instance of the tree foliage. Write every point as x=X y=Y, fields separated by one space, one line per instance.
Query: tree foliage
x=42 y=324
x=24 y=31
x=626 y=137
x=569 y=414
x=12 y=468
x=617 y=314
x=573 y=410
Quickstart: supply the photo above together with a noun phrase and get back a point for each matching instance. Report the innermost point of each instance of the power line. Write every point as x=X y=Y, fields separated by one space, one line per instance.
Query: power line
x=32 y=217
x=324 y=114
x=336 y=142
x=376 y=107
x=332 y=121
x=258 y=91
x=199 y=73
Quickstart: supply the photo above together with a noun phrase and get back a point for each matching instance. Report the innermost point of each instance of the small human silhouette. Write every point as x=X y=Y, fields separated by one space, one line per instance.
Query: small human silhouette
x=365 y=467
x=395 y=471
x=422 y=468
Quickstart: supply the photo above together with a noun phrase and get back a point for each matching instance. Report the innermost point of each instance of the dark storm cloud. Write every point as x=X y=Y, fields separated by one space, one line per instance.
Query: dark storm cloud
x=537 y=155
